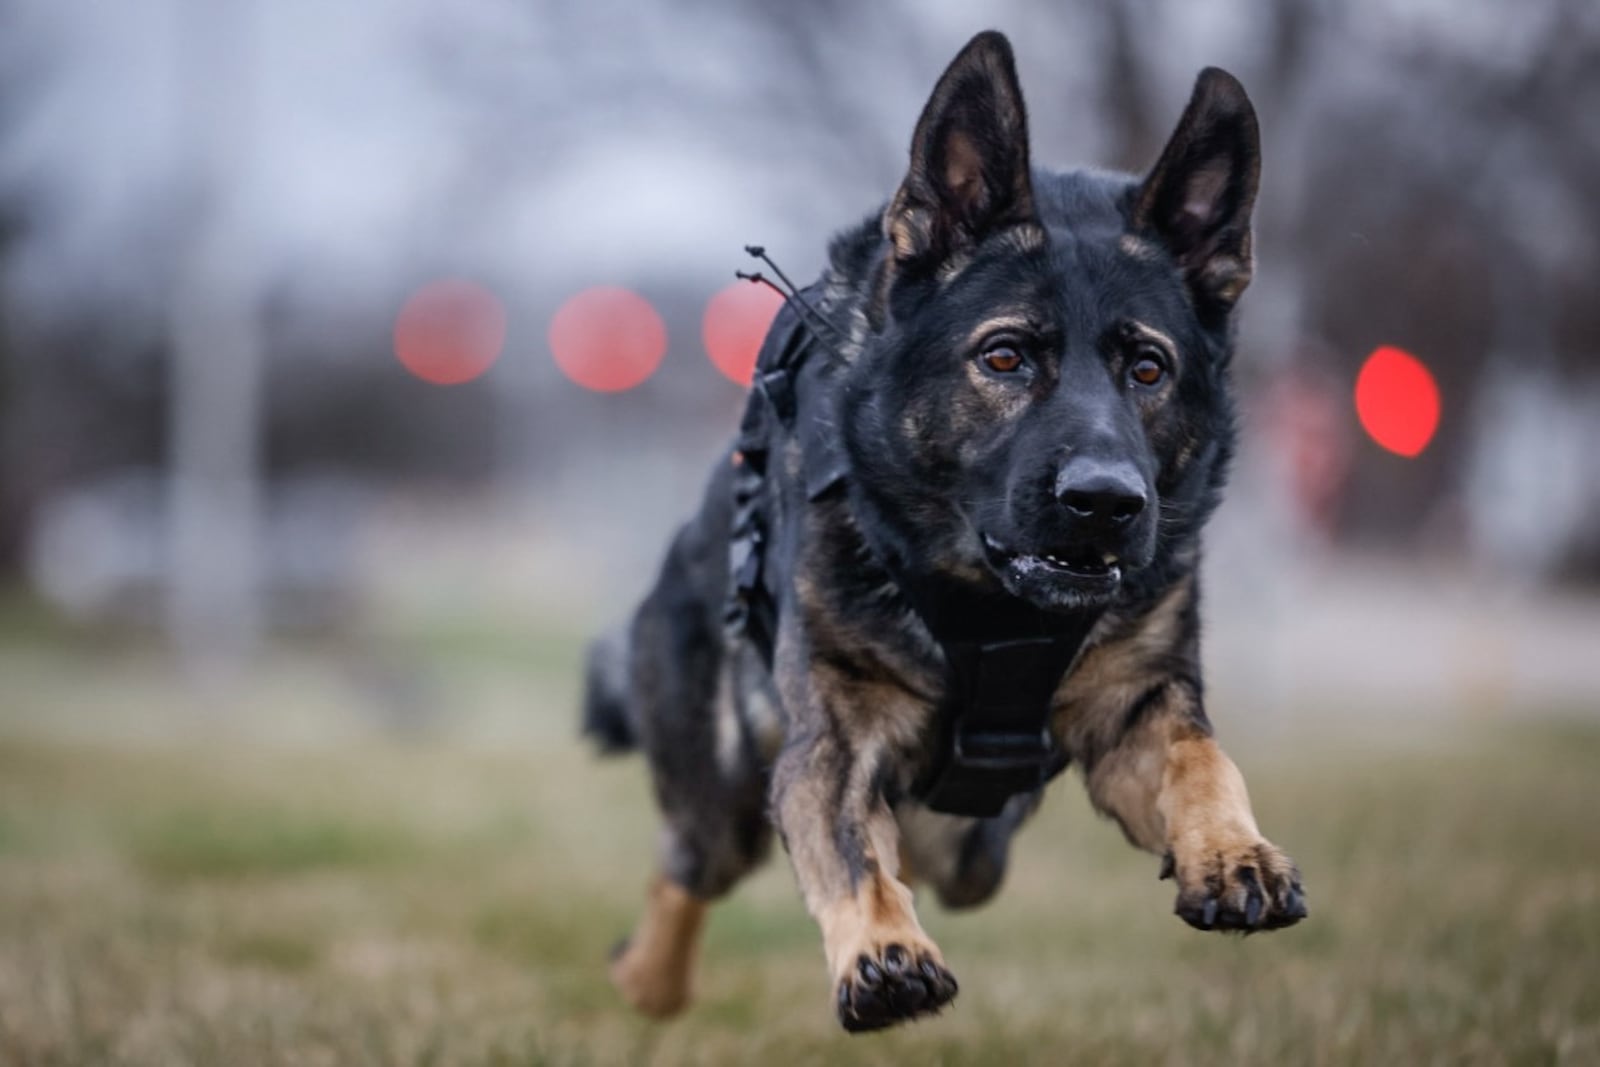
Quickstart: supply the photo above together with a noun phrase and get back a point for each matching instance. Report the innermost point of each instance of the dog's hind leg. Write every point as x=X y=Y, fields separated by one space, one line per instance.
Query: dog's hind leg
x=704 y=854
x=962 y=859
x=654 y=966
x=690 y=698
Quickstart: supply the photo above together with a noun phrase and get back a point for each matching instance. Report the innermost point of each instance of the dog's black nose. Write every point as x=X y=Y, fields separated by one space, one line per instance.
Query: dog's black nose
x=1105 y=493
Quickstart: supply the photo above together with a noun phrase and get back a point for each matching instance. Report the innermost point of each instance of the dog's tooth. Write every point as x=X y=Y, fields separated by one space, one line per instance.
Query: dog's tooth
x=1109 y=560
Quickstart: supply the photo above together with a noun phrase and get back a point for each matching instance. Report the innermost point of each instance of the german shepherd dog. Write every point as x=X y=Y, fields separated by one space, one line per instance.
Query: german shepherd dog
x=1030 y=392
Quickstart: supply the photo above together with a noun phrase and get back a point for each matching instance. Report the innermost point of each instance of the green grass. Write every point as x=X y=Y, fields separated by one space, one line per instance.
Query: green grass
x=192 y=843
x=176 y=902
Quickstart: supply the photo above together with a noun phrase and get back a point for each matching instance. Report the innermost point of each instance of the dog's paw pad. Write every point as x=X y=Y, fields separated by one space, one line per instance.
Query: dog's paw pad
x=893 y=986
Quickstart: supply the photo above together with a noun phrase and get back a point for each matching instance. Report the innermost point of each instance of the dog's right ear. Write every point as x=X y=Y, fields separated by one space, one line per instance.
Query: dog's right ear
x=969 y=160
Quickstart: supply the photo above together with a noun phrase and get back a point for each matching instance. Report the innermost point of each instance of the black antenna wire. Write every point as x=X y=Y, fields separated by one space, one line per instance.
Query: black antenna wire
x=788 y=291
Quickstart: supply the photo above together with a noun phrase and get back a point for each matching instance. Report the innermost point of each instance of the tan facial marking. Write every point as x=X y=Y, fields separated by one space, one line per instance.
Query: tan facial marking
x=1155 y=336
x=1138 y=248
x=1015 y=321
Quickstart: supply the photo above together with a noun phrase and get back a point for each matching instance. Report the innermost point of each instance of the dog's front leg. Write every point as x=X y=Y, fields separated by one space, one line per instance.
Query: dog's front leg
x=844 y=845
x=1176 y=793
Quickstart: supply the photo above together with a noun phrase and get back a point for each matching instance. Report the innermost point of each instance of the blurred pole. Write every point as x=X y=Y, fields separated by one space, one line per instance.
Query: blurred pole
x=214 y=581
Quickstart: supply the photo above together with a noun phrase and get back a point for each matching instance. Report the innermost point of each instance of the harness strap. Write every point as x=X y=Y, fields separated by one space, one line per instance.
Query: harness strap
x=752 y=605
x=997 y=740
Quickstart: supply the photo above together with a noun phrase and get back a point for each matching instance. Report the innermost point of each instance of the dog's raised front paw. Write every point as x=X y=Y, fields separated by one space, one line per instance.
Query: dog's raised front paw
x=892 y=986
x=1249 y=885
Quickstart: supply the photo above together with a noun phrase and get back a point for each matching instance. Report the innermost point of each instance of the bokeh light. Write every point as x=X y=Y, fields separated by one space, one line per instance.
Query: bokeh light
x=1397 y=400
x=607 y=339
x=735 y=323
x=450 y=331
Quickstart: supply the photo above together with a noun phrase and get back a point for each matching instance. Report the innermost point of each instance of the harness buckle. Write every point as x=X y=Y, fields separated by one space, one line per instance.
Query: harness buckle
x=985 y=768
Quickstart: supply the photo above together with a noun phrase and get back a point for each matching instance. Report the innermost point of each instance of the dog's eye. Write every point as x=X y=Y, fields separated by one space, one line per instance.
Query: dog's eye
x=1003 y=359
x=1147 y=369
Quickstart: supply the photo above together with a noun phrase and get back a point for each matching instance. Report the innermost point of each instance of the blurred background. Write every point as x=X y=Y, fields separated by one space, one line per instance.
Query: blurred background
x=356 y=361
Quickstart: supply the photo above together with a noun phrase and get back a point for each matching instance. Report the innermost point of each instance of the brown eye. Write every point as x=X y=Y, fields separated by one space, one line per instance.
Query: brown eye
x=1147 y=370
x=1003 y=359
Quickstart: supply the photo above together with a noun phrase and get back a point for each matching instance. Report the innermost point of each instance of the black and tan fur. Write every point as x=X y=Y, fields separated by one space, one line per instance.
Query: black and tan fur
x=1034 y=403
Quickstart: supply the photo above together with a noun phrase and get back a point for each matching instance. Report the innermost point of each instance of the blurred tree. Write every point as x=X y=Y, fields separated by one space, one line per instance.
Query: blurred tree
x=14 y=508
x=214 y=575
x=1125 y=96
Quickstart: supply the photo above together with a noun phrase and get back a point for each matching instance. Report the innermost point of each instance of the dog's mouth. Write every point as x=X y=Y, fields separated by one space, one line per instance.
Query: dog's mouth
x=1043 y=575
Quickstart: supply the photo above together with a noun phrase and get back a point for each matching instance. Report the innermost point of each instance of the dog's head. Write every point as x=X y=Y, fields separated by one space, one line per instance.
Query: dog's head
x=1041 y=400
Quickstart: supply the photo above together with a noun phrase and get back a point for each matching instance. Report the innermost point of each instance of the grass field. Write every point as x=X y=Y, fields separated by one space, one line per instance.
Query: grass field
x=225 y=896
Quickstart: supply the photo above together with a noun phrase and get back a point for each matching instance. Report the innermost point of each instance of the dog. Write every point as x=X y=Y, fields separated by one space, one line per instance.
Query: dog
x=979 y=456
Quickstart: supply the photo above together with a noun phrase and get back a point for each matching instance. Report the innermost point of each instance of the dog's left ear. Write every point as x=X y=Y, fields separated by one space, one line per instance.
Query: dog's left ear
x=1197 y=199
x=969 y=160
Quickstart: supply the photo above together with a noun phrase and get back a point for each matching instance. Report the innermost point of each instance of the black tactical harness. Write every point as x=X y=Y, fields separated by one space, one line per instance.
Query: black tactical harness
x=1006 y=658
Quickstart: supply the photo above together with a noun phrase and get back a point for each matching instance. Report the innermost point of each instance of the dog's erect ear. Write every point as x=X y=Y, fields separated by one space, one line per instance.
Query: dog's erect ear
x=969 y=160
x=1197 y=199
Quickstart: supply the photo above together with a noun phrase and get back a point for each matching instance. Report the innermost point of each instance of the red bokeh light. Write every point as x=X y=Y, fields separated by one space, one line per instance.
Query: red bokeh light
x=1397 y=400
x=735 y=323
x=450 y=331
x=607 y=339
